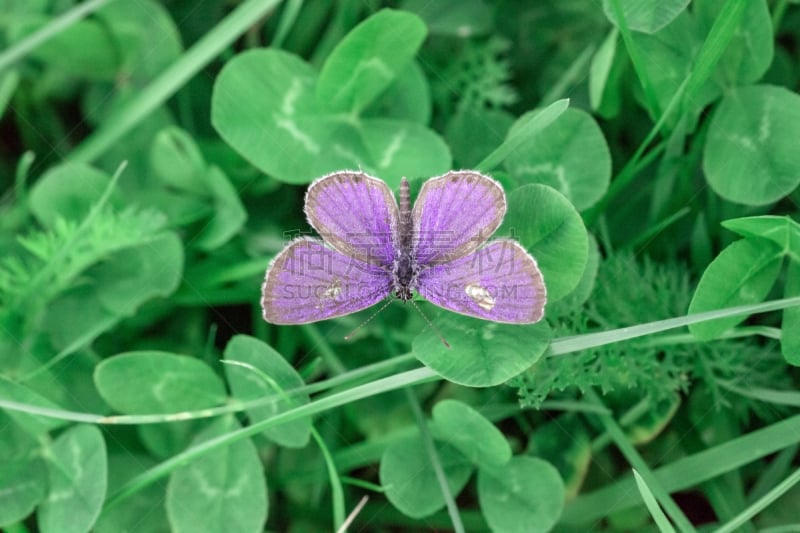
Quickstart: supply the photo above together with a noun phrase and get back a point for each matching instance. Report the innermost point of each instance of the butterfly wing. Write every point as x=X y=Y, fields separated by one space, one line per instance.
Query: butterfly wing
x=356 y=214
x=454 y=214
x=307 y=282
x=499 y=282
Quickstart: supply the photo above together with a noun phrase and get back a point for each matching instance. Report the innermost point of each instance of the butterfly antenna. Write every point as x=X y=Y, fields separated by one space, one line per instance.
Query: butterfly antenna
x=367 y=321
x=428 y=320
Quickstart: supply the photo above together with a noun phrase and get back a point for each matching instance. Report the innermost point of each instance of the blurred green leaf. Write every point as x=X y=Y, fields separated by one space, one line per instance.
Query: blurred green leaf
x=177 y=161
x=143 y=511
x=482 y=354
x=137 y=274
x=473 y=133
x=750 y=51
x=150 y=382
x=78 y=476
x=600 y=68
x=646 y=16
x=750 y=155
x=565 y=443
x=68 y=191
x=570 y=155
x=228 y=215
x=525 y=495
x=409 y=480
x=526 y=129
x=648 y=426
x=247 y=384
x=223 y=491
x=120 y=286
x=368 y=59
x=743 y=273
x=135 y=26
x=468 y=431
x=790 y=326
x=23 y=476
x=83 y=49
x=407 y=98
x=457 y=18
x=169 y=438
x=32 y=424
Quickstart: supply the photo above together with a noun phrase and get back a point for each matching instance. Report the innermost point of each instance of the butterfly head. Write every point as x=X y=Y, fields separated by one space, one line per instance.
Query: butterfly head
x=404 y=293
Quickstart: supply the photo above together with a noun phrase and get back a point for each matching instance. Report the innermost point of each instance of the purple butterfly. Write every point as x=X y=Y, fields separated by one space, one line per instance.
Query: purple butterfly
x=371 y=249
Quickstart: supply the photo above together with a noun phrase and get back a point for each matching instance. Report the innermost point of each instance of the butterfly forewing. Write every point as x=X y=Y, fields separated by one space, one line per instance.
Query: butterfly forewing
x=454 y=214
x=308 y=281
x=499 y=281
x=356 y=214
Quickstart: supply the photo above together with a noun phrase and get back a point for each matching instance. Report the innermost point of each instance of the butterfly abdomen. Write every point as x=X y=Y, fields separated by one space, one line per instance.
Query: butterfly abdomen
x=404 y=264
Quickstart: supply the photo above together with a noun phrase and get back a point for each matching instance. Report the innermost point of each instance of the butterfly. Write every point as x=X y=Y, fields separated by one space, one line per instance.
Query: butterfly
x=372 y=247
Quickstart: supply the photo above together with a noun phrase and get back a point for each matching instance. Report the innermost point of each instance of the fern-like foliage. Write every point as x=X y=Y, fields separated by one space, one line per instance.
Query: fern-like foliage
x=479 y=77
x=630 y=292
x=50 y=261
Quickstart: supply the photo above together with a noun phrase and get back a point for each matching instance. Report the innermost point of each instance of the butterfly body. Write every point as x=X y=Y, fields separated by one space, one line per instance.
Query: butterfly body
x=372 y=248
x=404 y=268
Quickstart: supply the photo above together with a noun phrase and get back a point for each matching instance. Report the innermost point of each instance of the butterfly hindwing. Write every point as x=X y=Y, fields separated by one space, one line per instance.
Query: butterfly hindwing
x=500 y=281
x=307 y=282
x=356 y=214
x=454 y=214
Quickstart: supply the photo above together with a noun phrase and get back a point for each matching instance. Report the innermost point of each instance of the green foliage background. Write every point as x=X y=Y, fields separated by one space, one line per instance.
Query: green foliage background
x=154 y=158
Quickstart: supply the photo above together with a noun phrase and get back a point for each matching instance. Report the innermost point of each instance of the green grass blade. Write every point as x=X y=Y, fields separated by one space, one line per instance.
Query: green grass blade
x=576 y=343
x=638 y=62
x=57 y=25
x=172 y=79
x=762 y=503
x=535 y=123
x=687 y=472
x=404 y=379
x=778 y=397
x=639 y=465
x=430 y=449
x=720 y=35
x=770 y=476
x=658 y=515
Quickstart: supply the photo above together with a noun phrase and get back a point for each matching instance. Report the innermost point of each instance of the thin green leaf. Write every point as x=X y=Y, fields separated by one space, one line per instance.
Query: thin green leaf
x=658 y=515
x=534 y=124
x=207 y=48
x=20 y=49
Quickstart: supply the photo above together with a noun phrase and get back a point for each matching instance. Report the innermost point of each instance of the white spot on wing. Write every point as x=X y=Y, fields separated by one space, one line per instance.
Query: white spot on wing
x=333 y=290
x=480 y=296
x=330 y=293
